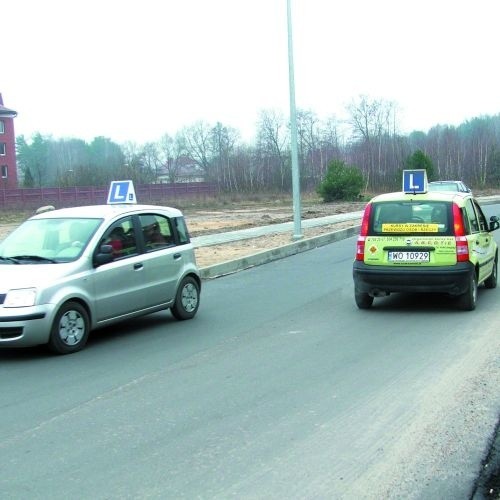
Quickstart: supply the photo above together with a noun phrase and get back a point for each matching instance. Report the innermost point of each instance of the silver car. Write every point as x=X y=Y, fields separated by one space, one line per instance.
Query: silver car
x=459 y=186
x=66 y=272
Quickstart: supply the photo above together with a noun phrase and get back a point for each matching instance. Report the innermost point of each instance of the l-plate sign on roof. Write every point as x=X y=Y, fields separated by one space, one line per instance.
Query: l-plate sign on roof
x=121 y=192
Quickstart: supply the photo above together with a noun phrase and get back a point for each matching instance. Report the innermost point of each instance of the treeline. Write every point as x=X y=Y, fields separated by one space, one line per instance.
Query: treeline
x=369 y=140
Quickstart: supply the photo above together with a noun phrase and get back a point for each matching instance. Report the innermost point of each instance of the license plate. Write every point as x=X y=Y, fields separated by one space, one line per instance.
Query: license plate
x=397 y=256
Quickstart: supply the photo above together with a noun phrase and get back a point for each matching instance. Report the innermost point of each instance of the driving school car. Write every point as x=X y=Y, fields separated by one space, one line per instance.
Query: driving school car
x=420 y=241
x=66 y=272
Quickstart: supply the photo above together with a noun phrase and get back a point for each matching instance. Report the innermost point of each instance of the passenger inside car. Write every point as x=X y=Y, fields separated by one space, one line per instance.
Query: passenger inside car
x=116 y=239
x=438 y=216
x=154 y=237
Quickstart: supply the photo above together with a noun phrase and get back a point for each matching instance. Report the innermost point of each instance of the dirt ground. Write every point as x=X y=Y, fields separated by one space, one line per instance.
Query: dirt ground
x=207 y=222
x=202 y=222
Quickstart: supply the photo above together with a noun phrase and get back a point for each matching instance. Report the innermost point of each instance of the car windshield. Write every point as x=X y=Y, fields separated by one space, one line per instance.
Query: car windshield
x=429 y=217
x=48 y=240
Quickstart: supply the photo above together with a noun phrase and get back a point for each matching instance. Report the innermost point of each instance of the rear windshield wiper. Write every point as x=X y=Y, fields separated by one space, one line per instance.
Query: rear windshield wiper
x=36 y=258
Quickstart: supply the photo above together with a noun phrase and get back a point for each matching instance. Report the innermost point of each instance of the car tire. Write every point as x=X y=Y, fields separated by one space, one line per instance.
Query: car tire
x=187 y=299
x=467 y=301
x=70 y=330
x=363 y=300
x=491 y=281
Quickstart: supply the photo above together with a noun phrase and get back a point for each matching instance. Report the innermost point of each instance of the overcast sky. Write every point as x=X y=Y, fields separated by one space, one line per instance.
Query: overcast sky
x=133 y=71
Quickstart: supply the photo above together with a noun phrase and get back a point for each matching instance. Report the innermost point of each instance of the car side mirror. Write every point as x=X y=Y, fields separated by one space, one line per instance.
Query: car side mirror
x=103 y=255
x=494 y=222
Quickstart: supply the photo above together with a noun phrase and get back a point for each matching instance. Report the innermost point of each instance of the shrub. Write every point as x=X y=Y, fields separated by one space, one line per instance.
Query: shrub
x=341 y=183
x=419 y=160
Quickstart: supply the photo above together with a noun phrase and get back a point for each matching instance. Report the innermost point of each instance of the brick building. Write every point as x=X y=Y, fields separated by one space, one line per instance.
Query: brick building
x=8 y=169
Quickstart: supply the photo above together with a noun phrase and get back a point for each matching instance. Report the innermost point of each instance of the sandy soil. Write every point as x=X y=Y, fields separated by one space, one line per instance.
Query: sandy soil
x=201 y=222
x=207 y=222
x=207 y=256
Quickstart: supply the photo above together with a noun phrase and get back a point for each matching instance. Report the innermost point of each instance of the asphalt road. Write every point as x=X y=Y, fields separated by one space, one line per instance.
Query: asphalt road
x=279 y=388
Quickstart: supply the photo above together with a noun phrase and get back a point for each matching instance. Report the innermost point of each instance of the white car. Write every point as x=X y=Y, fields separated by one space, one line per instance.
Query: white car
x=66 y=272
x=458 y=186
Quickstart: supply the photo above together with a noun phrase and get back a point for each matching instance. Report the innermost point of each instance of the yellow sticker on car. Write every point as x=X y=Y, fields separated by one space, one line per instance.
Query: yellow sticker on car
x=412 y=227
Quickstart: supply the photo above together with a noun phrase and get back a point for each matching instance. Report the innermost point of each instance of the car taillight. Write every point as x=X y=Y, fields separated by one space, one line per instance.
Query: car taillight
x=462 y=248
x=366 y=220
x=458 y=221
x=360 y=245
x=360 y=248
x=461 y=242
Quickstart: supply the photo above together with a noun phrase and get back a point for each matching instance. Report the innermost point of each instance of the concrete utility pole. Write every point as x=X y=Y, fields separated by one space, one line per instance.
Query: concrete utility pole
x=297 y=227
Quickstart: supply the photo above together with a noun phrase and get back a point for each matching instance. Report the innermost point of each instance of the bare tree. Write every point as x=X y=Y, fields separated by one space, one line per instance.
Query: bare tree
x=151 y=162
x=331 y=145
x=170 y=152
x=137 y=166
x=372 y=122
x=308 y=140
x=224 y=140
x=67 y=157
x=272 y=141
x=196 y=141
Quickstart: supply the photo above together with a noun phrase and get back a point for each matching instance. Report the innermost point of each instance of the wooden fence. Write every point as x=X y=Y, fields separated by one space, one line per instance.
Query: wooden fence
x=164 y=194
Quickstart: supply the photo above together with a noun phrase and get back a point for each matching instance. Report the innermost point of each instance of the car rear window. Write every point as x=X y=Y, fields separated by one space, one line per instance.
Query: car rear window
x=416 y=218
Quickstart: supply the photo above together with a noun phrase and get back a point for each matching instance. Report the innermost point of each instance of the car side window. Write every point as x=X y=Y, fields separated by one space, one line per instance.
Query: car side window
x=471 y=216
x=182 y=230
x=156 y=231
x=122 y=239
x=483 y=223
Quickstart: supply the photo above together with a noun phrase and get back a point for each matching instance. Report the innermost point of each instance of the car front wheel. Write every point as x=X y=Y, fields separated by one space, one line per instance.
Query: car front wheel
x=70 y=330
x=187 y=299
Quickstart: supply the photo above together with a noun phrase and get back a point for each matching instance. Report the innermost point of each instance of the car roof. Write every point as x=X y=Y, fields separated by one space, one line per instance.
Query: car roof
x=446 y=182
x=429 y=196
x=107 y=212
x=459 y=185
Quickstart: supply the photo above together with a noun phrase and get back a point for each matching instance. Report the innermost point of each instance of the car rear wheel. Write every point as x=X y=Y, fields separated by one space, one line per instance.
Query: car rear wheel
x=491 y=281
x=187 y=299
x=467 y=301
x=363 y=300
x=70 y=330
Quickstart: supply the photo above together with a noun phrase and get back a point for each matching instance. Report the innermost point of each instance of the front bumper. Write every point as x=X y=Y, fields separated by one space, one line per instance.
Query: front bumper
x=25 y=326
x=380 y=280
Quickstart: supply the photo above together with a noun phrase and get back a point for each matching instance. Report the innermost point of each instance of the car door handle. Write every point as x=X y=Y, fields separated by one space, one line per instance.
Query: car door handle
x=138 y=266
x=177 y=256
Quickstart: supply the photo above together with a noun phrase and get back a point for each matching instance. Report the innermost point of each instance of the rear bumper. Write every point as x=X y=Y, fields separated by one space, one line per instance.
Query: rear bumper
x=379 y=280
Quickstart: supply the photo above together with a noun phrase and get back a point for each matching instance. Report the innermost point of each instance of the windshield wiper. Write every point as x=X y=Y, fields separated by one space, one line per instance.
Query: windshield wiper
x=10 y=260
x=36 y=258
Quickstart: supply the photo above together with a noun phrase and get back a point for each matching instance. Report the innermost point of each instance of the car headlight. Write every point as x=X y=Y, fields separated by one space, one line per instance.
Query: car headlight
x=23 y=297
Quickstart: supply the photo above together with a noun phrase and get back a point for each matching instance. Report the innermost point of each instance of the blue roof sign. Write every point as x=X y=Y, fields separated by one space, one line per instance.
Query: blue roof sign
x=121 y=192
x=415 y=181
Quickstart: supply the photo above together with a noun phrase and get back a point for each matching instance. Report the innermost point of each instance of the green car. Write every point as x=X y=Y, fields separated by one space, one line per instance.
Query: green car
x=425 y=242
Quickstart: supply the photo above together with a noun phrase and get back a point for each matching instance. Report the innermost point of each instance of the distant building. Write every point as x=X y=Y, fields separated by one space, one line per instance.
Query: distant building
x=8 y=168
x=183 y=169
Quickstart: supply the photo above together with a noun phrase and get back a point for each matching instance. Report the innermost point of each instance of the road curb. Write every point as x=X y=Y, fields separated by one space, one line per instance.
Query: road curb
x=257 y=259
x=266 y=256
